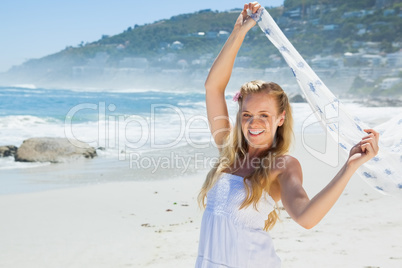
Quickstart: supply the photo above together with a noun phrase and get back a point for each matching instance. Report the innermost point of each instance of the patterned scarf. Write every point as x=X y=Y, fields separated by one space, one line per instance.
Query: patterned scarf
x=384 y=171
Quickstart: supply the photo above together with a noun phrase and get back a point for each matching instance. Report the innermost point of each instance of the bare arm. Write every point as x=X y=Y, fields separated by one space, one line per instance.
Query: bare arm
x=309 y=213
x=220 y=73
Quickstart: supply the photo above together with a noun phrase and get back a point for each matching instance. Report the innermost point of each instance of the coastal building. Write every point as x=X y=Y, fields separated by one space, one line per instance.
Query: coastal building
x=356 y=14
x=294 y=14
x=176 y=45
x=373 y=73
x=328 y=62
x=388 y=83
x=314 y=21
x=330 y=27
x=394 y=59
x=351 y=59
x=372 y=47
x=348 y=71
x=372 y=60
x=197 y=34
x=223 y=34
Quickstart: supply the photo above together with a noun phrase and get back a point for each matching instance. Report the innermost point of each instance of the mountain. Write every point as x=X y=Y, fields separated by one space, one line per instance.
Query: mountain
x=184 y=46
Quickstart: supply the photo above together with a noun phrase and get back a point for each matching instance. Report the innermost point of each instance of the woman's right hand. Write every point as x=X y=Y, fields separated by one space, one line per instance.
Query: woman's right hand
x=366 y=149
x=245 y=20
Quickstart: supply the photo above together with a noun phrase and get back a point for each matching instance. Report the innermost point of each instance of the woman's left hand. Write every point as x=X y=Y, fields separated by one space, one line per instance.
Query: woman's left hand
x=244 y=20
x=366 y=149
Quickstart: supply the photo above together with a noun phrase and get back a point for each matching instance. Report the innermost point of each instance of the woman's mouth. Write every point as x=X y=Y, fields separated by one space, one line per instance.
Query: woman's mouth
x=255 y=132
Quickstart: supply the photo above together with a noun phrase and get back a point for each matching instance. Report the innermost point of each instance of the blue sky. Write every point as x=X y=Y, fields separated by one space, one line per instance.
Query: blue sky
x=33 y=29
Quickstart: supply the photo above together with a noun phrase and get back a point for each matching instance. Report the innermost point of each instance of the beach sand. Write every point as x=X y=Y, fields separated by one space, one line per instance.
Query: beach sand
x=155 y=223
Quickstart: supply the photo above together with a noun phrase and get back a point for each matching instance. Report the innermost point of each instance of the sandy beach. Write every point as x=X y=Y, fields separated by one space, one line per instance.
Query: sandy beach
x=155 y=223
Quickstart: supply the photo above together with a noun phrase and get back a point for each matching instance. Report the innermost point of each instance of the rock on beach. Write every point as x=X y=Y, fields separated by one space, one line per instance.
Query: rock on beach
x=296 y=98
x=8 y=150
x=54 y=150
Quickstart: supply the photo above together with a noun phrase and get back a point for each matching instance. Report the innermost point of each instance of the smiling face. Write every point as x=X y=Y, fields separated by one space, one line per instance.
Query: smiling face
x=259 y=119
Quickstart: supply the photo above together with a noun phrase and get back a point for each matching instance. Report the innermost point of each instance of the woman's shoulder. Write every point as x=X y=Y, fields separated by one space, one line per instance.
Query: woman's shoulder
x=283 y=162
x=287 y=166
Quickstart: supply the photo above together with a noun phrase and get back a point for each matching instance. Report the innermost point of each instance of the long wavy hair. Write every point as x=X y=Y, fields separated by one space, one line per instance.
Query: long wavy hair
x=236 y=147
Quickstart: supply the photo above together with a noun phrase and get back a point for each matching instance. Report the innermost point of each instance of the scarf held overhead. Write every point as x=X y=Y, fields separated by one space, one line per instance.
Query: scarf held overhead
x=384 y=171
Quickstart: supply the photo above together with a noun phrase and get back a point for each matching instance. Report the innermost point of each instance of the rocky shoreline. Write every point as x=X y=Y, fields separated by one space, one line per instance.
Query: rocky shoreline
x=380 y=102
x=8 y=150
x=46 y=149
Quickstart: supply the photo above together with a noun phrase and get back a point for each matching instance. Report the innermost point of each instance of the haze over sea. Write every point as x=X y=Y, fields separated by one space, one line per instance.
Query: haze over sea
x=121 y=124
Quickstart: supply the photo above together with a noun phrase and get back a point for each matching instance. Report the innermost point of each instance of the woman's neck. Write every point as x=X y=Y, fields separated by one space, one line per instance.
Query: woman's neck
x=255 y=152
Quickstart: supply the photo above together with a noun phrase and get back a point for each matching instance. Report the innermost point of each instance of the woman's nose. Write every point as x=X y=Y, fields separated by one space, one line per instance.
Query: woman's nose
x=255 y=120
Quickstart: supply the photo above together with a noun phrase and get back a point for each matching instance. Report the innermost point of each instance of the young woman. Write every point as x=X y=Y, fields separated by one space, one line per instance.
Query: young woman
x=254 y=170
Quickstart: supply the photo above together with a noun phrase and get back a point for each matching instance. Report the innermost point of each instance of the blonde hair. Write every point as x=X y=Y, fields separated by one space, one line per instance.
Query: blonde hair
x=236 y=148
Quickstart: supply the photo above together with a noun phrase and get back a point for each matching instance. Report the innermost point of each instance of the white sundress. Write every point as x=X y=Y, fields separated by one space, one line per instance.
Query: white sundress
x=234 y=238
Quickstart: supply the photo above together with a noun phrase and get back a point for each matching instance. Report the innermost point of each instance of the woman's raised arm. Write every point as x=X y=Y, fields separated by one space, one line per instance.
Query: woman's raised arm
x=308 y=212
x=220 y=73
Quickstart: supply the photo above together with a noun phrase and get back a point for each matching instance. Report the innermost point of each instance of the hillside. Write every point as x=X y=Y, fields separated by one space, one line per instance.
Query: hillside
x=191 y=41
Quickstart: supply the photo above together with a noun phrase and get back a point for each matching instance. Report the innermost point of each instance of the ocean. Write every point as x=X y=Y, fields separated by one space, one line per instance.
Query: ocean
x=122 y=125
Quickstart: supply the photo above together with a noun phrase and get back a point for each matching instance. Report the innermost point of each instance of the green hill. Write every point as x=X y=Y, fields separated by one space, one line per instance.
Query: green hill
x=191 y=41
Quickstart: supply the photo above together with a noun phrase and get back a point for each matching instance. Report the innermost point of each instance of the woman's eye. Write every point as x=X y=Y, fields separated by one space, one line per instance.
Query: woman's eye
x=246 y=115
x=264 y=115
